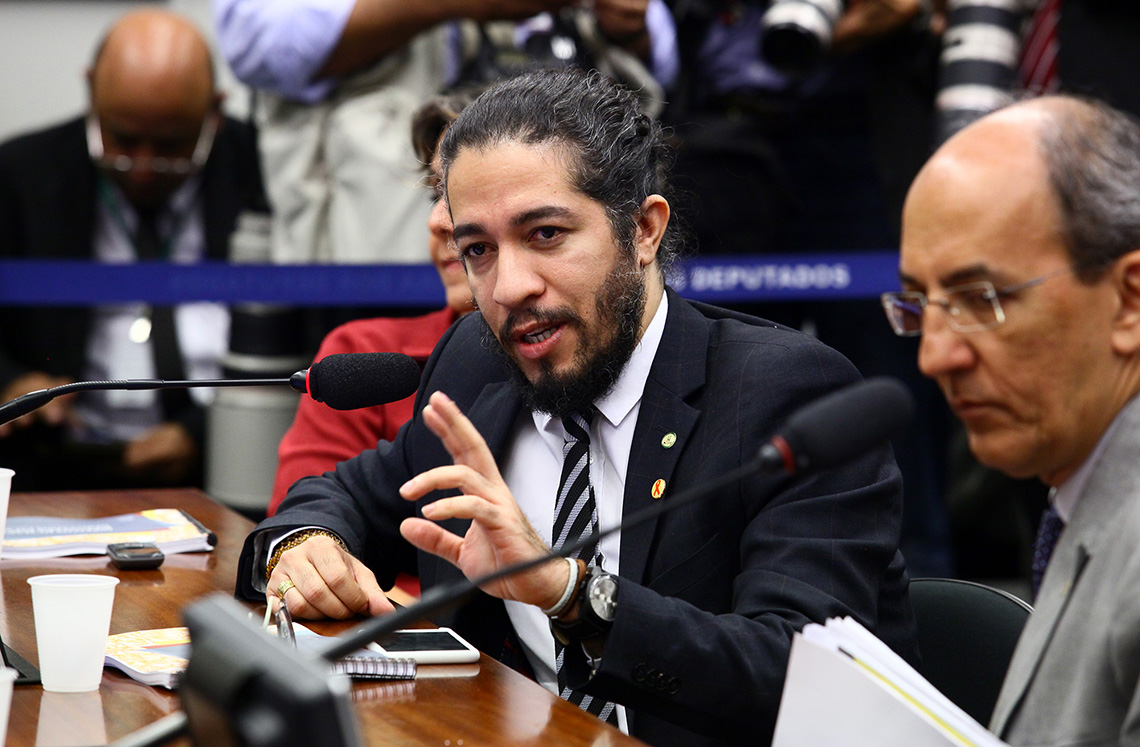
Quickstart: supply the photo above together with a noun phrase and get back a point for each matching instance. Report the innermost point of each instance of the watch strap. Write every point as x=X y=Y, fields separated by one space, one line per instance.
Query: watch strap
x=588 y=624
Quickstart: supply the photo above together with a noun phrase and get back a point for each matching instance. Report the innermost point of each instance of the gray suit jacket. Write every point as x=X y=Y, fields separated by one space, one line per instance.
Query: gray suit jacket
x=1075 y=676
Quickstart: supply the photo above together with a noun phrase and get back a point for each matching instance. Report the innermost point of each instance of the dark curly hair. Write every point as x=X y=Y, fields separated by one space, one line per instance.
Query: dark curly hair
x=619 y=156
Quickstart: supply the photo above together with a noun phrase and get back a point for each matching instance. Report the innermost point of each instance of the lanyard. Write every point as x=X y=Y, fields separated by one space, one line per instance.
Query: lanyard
x=140 y=329
x=114 y=205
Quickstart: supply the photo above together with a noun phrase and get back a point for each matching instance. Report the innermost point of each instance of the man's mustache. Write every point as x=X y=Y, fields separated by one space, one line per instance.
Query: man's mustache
x=525 y=317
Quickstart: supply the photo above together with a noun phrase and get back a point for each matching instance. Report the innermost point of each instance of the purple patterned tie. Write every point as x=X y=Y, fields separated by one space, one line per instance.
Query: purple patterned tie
x=1047 y=534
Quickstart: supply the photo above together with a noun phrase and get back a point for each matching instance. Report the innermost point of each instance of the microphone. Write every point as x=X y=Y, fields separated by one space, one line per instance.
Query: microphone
x=826 y=433
x=345 y=381
x=349 y=381
x=840 y=426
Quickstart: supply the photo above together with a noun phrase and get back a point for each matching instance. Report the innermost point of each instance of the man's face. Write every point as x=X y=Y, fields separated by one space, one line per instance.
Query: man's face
x=1034 y=393
x=565 y=302
x=146 y=128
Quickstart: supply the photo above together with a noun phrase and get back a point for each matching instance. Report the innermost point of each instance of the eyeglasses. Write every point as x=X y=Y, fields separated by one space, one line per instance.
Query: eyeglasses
x=970 y=307
x=160 y=165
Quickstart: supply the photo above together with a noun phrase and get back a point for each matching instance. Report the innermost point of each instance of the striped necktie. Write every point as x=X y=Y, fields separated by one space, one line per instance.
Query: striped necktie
x=575 y=516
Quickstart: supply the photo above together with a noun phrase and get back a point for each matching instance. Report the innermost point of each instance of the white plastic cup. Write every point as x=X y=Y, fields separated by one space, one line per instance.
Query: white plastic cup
x=73 y=617
x=6 y=476
x=7 y=678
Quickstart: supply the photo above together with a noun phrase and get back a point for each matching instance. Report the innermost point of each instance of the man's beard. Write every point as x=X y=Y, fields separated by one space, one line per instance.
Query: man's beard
x=598 y=362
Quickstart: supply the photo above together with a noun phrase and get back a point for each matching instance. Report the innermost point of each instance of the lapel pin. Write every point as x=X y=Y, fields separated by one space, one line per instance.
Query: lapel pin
x=668 y=440
x=658 y=489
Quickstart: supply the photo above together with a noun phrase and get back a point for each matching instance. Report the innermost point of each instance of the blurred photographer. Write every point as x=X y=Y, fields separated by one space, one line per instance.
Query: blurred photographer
x=339 y=80
x=996 y=51
x=818 y=161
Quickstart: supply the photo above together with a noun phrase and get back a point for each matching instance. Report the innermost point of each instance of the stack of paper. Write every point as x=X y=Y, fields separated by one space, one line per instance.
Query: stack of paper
x=845 y=686
x=155 y=657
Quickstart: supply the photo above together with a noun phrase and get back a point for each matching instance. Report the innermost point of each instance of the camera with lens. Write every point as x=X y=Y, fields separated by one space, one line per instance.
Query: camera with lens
x=981 y=50
x=795 y=34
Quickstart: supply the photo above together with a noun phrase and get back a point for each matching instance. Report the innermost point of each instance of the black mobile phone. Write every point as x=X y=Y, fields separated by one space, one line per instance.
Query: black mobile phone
x=135 y=555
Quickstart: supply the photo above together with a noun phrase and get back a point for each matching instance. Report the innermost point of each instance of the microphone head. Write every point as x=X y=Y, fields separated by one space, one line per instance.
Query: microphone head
x=348 y=381
x=837 y=428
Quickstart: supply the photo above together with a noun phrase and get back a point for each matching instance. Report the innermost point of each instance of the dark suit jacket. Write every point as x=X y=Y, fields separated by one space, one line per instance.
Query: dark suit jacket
x=710 y=594
x=47 y=211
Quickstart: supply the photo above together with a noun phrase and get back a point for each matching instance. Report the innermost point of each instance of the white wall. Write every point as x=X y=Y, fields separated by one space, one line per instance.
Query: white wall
x=46 y=45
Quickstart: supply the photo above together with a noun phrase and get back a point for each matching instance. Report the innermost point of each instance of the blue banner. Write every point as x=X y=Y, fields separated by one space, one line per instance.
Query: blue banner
x=806 y=277
x=801 y=277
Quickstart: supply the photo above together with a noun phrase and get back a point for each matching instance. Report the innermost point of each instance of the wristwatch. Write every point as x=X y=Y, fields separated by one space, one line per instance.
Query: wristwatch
x=597 y=607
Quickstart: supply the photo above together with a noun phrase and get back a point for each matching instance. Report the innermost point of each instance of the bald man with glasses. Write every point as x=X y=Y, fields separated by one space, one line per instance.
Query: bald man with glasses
x=1020 y=268
x=154 y=172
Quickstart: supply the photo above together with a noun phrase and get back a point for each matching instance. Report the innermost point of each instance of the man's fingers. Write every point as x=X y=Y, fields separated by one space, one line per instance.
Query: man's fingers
x=342 y=594
x=459 y=435
x=459 y=477
x=429 y=537
x=380 y=604
x=376 y=601
x=328 y=582
x=309 y=596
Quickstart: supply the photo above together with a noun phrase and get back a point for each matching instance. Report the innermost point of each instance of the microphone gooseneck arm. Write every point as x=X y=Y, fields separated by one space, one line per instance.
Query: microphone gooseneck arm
x=827 y=432
x=26 y=403
x=439 y=598
x=348 y=381
x=881 y=407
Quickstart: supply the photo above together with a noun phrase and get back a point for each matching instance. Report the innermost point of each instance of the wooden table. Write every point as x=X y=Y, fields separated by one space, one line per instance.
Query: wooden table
x=476 y=704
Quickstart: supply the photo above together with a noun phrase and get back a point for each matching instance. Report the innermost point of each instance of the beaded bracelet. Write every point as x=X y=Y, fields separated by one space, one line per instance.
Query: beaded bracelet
x=295 y=539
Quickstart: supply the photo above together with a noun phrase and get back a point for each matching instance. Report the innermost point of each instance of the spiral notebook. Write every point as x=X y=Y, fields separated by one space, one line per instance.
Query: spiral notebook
x=366 y=663
x=375 y=666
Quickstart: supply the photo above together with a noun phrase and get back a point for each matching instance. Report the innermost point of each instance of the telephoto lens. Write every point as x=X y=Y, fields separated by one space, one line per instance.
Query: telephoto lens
x=980 y=53
x=795 y=34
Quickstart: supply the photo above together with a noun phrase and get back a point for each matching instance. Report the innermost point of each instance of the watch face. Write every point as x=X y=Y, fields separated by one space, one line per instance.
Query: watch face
x=602 y=594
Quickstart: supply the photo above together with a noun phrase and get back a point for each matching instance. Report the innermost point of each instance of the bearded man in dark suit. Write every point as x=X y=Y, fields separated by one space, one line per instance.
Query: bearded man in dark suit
x=583 y=381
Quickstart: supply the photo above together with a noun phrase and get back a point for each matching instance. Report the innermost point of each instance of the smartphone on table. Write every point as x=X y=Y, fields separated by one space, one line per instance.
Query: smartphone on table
x=429 y=646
